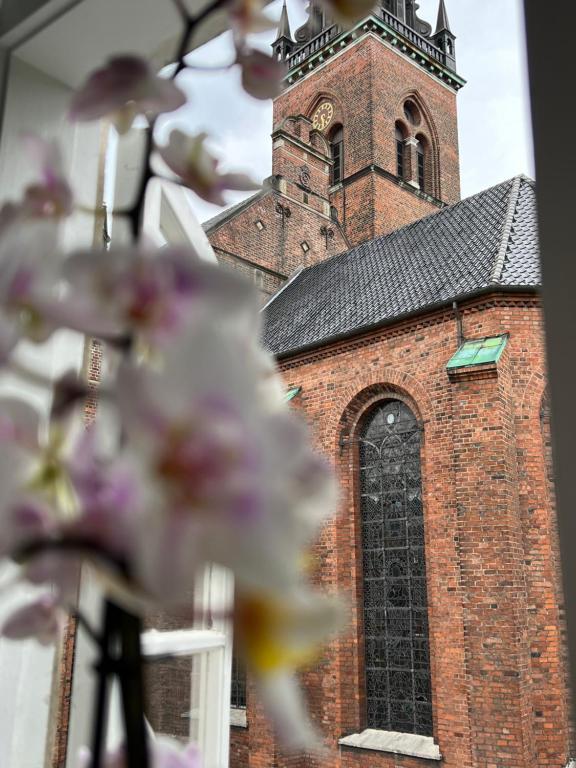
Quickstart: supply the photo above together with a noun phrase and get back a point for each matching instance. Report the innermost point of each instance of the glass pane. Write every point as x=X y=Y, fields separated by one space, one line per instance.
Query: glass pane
x=394 y=572
x=171 y=707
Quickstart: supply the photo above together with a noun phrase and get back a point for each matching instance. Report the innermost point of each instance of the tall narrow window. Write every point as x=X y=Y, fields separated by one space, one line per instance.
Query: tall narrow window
x=337 y=146
x=238 y=687
x=398 y=692
x=420 y=152
x=400 y=164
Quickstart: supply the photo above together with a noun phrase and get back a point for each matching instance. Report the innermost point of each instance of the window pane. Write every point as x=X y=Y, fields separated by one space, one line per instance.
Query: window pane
x=238 y=689
x=169 y=699
x=394 y=572
x=400 y=158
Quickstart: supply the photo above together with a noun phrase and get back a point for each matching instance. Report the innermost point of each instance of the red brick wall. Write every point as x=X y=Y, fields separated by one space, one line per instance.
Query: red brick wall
x=239 y=745
x=278 y=246
x=368 y=84
x=499 y=692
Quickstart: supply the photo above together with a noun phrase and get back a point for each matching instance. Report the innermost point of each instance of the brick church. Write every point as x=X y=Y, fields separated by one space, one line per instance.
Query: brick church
x=408 y=326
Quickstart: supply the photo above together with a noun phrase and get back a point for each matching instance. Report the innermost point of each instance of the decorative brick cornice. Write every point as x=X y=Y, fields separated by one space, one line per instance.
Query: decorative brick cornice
x=474 y=373
x=281 y=133
x=401 y=327
x=379 y=171
x=326 y=45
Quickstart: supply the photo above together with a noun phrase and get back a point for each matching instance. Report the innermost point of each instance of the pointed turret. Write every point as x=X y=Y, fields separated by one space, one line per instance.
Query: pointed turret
x=283 y=45
x=284 y=26
x=444 y=38
x=442 y=25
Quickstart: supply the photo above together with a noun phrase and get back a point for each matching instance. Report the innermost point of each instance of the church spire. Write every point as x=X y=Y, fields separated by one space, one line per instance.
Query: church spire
x=284 y=44
x=284 y=26
x=444 y=37
x=442 y=25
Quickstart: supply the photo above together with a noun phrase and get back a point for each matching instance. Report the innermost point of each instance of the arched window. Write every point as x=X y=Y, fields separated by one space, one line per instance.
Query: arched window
x=398 y=691
x=337 y=151
x=400 y=152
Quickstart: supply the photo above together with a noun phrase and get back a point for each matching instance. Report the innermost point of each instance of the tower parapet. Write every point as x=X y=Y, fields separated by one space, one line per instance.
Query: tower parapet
x=395 y=21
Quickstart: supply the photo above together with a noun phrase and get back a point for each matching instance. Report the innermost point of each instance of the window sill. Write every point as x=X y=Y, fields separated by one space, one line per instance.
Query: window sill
x=389 y=741
x=238 y=718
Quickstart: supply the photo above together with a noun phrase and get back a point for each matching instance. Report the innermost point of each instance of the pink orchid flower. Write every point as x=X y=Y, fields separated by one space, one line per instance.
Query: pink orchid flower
x=124 y=88
x=262 y=74
x=108 y=496
x=31 y=301
x=56 y=490
x=229 y=473
x=187 y=157
x=30 y=257
x=41 y=619
x=150 y=294
x=50 y=197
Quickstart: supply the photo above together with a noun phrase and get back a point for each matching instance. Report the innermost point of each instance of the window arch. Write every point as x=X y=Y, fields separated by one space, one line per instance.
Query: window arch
x=337 y=154
x=397 y=654
x=400 y=136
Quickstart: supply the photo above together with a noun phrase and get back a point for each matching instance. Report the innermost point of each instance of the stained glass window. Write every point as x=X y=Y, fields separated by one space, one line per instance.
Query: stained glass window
x=397 y=651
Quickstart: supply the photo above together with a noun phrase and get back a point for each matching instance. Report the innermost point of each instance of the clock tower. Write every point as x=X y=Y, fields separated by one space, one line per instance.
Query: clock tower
x=364 y=141
x=371 y=113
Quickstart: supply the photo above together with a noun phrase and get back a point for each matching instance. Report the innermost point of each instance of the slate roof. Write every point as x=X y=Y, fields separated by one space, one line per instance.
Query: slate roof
x=487 y=241
x=228 y=213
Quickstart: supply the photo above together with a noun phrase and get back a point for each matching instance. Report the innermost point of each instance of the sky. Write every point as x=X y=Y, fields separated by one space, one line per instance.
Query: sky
x=493 y=108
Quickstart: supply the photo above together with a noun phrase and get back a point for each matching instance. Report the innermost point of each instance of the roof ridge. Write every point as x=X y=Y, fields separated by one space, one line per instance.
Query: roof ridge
x=232 y=210
x=507 y=231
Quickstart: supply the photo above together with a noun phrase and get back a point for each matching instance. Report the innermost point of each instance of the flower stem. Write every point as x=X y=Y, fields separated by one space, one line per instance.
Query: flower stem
x=190 y=23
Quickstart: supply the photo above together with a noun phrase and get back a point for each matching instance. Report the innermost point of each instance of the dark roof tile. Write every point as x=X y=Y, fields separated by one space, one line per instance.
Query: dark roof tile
x=490 y=238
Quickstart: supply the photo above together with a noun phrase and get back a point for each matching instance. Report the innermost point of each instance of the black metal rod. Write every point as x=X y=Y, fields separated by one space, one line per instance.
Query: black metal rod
x=130 y=673
x=103 y=670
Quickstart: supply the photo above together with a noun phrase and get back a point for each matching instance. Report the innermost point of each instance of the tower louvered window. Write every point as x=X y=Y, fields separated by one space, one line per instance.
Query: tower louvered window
x=398 y=691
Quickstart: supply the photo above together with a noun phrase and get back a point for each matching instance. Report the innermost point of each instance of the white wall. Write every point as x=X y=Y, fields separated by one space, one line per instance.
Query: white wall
x=37 y=103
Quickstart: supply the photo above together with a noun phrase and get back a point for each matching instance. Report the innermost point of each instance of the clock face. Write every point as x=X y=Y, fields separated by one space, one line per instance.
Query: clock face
x=323 y=116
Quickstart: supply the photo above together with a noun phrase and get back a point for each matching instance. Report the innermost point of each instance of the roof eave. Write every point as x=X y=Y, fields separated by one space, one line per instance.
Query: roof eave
x=445 y=304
